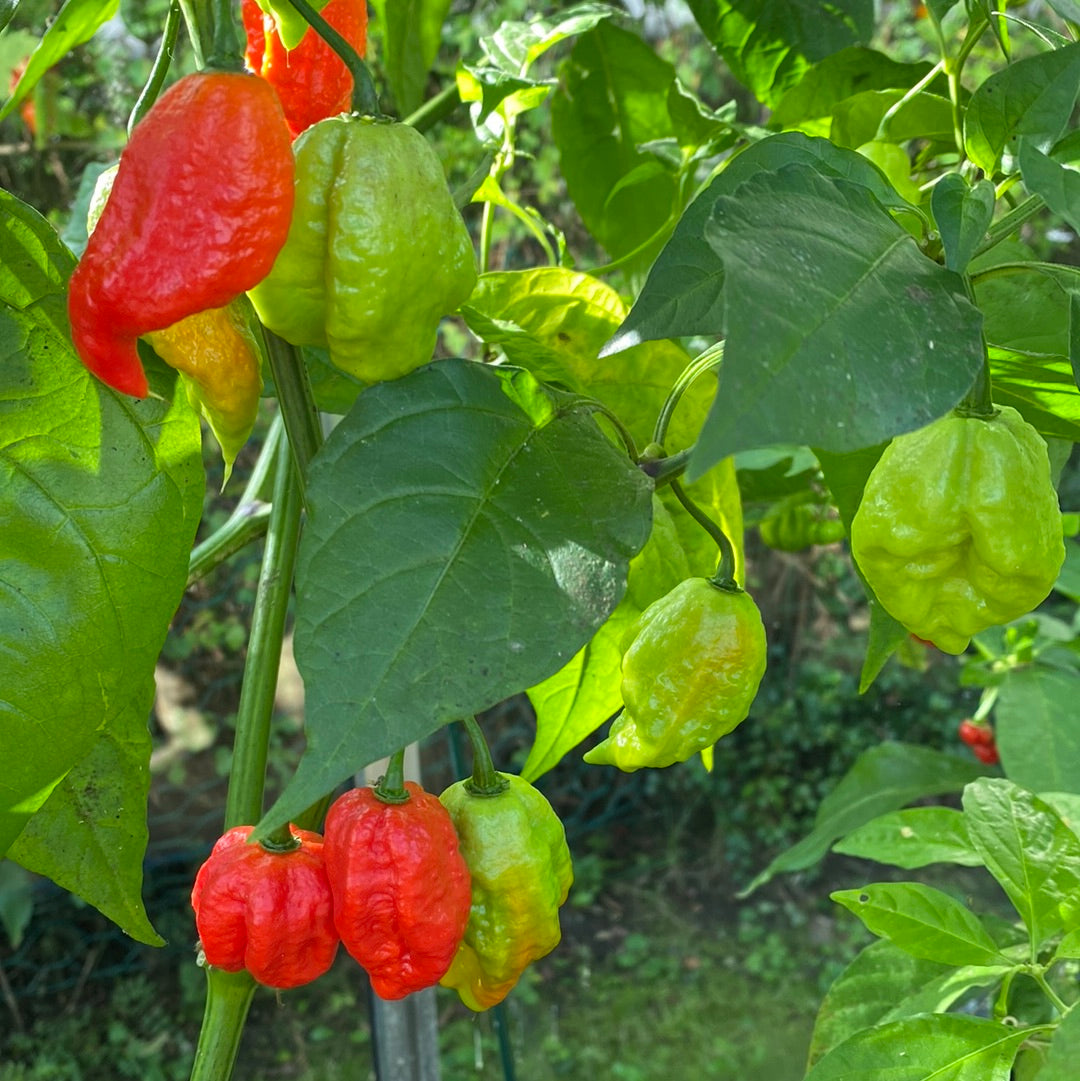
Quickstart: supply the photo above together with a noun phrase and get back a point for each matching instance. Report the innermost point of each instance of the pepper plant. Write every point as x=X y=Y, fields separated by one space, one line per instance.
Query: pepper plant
x=838 y=269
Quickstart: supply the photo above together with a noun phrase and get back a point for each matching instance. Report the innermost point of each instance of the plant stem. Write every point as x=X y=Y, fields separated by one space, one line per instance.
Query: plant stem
x=297 y=402
x=160 y=68
x=978 y=401
x=485 y=780
x=435 y=109
x=365 y=99
x=1039 y=977
x=391 y=786
x=725 y=571
x=228 y=999
x=708 y=361
x=249 y=518
x=244 y=803
x=1010 y=223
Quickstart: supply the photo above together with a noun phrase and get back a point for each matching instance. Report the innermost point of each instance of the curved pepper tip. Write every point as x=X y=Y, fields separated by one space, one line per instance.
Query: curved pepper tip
x=112 y=359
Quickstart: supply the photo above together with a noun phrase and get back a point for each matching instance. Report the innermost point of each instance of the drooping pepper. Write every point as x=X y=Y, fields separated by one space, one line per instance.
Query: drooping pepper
x=691 y=667
x=270 y=912
x=214 y=351
x=400 y=884
x=199 y=209
x=959 y=527
x=516 y=852
x=377 y=252
x=311 y=79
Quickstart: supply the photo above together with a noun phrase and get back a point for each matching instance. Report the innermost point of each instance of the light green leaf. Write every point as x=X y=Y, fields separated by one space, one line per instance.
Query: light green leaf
x=101 y=496
x=884 y=778
x=1032 y=97
x=1037 y=738
x=810 y=263
x=1033 y=855
x=922 y=921
x=866 y=116
x=912 y=838
x=769 y=44
x=1069 y=947
x=76 y=22
x=1041 y=387
x=90 y=836
x=484 y=537
x=16 y=901
x=1057 y=182
x=1064 y=1050
x=940 y=1047
x=411 y=32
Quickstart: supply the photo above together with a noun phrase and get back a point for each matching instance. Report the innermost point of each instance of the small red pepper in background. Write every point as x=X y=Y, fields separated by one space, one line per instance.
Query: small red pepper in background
x=311 y=80
x=980 y=738
x=200 y=207
x=267 y=911
x=401 y=887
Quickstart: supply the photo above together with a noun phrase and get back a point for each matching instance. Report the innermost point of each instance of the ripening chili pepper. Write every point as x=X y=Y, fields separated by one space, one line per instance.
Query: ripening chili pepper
x=199 y=209
x=270 y=912
x=939 y=535
x=400 y=885
x=311 y=80
x=377 y=252
x=516 y=852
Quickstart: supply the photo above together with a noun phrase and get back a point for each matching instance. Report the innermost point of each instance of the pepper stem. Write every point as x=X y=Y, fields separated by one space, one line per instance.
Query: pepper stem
x=724 y=577
x=485 y=781
x=390 y=787
x=160 y=68
x=978 y=402
x=365 y=99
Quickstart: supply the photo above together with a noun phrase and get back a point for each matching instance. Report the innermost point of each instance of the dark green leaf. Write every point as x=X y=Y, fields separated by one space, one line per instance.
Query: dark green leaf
x=810 y=266
x=684 y=291
x=106 y=494
x=76 y=22
x=1032 y=97
x=1057 y=182
x=7 y=10
x=469 y=531
x=90 y=835
x=1037 y=737
x=883 y=779
x=411 y=35
x=865 y=117
x=922 y=921
x=1032 y=853
x=769 y=44
x=963 y=215
x=913 y=838
x=939 y=1047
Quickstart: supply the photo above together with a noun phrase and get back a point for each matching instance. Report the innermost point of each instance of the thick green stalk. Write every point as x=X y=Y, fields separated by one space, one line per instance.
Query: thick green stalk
x=160 y=68
x=244 y=804
x=485 y=780
x=228 y=998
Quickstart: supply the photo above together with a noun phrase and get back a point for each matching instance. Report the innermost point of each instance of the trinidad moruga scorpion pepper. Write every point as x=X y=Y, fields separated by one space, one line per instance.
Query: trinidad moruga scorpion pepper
x=400 y=884
x=270 y=912
x=199 y=210
x=311 y=80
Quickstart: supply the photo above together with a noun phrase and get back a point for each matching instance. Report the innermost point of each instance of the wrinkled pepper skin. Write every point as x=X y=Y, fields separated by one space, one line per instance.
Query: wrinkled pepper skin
x=199 y=209
x=691 y=667
x=271 y=913
x=377 y=252
x=311 y=80
x=221 y=368
x=515 y=848
x=401 y=888
x=959 y=527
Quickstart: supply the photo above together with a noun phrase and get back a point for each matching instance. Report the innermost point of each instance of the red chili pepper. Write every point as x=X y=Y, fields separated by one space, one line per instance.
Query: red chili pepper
x=200 y=207
x=401 y=888
x=267 y=911
x=311 y=80
x=987 y=753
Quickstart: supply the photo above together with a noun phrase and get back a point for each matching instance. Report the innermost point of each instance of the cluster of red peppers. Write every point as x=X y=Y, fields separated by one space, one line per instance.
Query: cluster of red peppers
x=463 y=889
x=980 y=738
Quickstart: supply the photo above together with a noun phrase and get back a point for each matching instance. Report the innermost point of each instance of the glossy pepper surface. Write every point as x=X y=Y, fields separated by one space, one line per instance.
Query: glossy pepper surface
x=199 y=209
x=271 y=913
x=400 y=885
x=377 y=252
x=516 y=852
x=959 y=527
x=214 y=351
x=311 y=80
x=691 y=668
